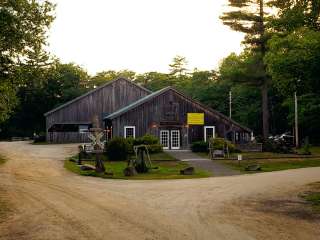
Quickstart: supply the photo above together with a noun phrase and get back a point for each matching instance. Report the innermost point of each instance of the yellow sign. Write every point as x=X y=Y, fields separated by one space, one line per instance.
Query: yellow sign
x=195 y=118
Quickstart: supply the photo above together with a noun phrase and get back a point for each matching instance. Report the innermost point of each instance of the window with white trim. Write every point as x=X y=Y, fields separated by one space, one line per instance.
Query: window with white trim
x=83 y=128
x=209 y=132
x=129 y=131
x=237 y=137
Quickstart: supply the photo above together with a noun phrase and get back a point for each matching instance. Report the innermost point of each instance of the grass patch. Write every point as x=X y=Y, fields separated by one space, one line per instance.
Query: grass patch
x=163 y=156
x=315 y=151
x=269 y=165
x=166 y=170
x=312 y=196
x=2 y=160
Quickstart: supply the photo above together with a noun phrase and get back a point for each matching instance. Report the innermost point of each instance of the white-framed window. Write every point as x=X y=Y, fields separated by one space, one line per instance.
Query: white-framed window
x=237 y=137
x=129 y=131
x=164 y=138
x=83 y=128
x=209 y=132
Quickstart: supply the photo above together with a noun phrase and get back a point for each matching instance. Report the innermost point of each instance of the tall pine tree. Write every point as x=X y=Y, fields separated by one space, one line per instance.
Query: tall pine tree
x=249 y=17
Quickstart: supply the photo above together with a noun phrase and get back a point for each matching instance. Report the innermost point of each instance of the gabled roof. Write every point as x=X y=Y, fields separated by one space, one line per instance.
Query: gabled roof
x=136 y=104
x=161 y=91
x=92 y=91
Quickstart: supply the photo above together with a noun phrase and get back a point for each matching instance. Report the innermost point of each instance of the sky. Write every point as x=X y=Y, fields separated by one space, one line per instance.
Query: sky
x=141 y=35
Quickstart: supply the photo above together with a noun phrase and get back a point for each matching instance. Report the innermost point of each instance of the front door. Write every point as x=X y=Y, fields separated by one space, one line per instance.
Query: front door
x=175 y=139
x=170 y=139
x=164 y=138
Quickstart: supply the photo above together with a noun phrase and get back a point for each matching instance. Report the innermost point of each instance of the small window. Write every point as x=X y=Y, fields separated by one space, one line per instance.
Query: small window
x=209 y=132
x=237 y=136
x=129 y=131
x=83 y=128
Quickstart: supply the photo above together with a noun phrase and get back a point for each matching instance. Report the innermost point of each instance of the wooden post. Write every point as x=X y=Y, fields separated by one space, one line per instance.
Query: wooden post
x=230 y=104
x=296 y=119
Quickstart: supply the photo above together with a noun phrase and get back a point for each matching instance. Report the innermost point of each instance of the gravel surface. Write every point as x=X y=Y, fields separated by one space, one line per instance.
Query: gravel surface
x=51 y=203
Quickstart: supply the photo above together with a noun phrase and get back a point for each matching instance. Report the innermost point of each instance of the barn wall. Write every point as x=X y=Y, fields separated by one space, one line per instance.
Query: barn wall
x=151 y=113
x=101 y=102
x=70 y=137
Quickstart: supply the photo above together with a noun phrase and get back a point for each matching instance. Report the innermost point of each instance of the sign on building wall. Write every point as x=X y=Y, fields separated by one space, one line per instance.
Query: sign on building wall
x=195 y=118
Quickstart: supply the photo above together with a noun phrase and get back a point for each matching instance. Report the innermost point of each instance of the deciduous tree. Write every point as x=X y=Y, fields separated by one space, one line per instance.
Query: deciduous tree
x=23 y=25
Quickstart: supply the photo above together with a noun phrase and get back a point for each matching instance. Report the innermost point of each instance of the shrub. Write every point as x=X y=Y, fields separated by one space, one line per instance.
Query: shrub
x=147 y=139
x=118 y=149
x=130 y=142
x=219 y=143
x=150 y=140
x=306 y=149
x=277 y=146
x=199 y=146
x=155 y=148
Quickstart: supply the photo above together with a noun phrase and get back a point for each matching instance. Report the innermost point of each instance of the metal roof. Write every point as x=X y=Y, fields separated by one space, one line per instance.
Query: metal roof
x=161 y=91
x=92 y=91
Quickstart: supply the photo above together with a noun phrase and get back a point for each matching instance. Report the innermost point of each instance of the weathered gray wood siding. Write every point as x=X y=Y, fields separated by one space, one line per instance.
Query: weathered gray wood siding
x=70 y=137
x=101 y=102
x=145 y=116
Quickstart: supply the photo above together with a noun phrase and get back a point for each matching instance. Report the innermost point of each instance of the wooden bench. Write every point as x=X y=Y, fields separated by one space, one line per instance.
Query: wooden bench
x=218 y=153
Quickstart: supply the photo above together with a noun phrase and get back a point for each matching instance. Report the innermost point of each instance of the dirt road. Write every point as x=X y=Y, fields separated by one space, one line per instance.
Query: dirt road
x=50 y=203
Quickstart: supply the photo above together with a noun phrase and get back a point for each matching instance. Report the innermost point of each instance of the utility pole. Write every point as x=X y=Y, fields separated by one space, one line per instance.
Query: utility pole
x=230 y=104
x=296 y=119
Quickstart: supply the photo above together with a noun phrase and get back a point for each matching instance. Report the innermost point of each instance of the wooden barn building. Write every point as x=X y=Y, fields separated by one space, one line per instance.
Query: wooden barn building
x=128 y=110
x=70 y=122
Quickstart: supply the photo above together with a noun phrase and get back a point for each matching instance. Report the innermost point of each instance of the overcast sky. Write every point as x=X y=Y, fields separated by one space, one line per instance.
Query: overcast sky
x=141 y=35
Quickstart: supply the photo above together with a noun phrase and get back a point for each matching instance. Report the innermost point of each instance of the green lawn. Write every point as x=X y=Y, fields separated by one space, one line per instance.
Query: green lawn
x=256 y=155
x=269 y=165
x=163 y=156
x=315 y=150
x=271 y=155
x=315 y=153
x=313 y=196
x=166 y=170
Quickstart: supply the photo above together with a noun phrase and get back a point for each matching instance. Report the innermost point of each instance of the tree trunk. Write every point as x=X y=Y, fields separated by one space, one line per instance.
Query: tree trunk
x=265 y=110
x=99 y=164
x=264 y=87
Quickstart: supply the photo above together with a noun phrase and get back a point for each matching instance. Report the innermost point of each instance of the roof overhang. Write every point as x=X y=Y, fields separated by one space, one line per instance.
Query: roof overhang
x=158 y=93
x=92 y=91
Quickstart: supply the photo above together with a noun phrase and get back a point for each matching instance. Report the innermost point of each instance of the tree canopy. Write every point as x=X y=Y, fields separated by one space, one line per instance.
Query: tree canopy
x=281 y=56
x=23 y=27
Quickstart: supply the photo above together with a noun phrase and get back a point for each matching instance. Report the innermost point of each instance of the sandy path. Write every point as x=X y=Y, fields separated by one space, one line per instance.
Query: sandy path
x=51 y=203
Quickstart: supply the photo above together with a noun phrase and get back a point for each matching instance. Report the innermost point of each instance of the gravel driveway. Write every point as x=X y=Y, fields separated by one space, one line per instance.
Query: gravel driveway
x=49 y=202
